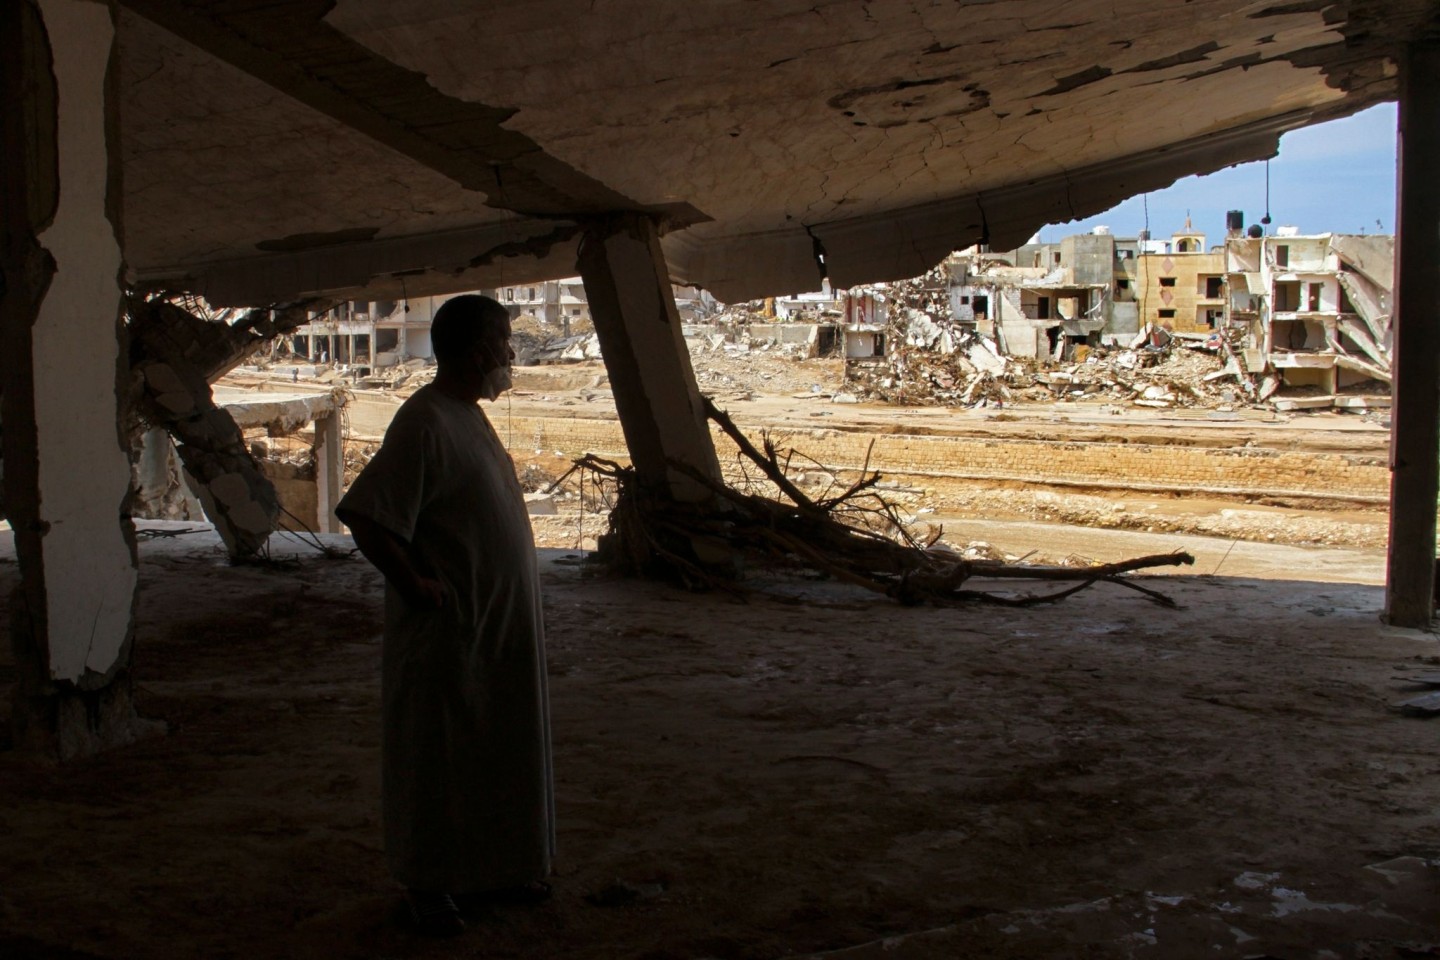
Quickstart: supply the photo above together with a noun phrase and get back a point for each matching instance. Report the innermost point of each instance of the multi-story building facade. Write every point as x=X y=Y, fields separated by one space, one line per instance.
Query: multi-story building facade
x=1316 y=308
x=1182 y=287
x=377 y=333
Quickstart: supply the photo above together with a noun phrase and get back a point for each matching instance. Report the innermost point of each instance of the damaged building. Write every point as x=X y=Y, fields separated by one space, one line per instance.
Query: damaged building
x=1314 y=309
x=1292 y=313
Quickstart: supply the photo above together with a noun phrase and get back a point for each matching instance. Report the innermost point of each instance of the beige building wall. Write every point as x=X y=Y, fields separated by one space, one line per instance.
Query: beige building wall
x=1181 y=289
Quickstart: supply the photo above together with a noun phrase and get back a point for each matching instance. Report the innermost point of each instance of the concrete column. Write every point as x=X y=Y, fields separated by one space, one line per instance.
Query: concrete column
x=63 y=360
x=1415 y=429
x=633 y=307
x=329 y=471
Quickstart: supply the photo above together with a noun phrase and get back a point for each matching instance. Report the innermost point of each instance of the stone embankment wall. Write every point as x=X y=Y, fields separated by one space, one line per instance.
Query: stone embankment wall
x=930 y=461
x=919 y=460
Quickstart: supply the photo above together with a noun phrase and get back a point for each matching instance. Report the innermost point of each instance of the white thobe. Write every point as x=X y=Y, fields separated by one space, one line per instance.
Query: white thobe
x=467 y=791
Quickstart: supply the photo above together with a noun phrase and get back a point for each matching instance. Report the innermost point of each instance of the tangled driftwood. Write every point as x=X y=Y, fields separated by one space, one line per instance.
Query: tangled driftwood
x=855 y=536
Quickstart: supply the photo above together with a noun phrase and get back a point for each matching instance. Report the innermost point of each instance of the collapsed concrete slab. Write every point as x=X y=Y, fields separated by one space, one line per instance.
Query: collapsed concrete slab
x=175 y=356
x=174 y=394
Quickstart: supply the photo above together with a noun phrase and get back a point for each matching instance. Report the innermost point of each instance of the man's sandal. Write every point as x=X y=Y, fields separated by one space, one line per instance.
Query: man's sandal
x=435 y=914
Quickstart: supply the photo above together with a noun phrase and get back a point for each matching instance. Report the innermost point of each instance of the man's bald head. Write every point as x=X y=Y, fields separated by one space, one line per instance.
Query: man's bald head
x=463 y=323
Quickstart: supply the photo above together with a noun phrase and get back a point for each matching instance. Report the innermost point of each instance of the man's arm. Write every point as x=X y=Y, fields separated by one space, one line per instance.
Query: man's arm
x=390 y=556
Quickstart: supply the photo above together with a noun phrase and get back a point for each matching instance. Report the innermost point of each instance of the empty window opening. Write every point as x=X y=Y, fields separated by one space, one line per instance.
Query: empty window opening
x=1282 y=256
x=1167 y=314
x=1314 y=300
x=1167 y=281
x=1213 y=287
x=1287 y=297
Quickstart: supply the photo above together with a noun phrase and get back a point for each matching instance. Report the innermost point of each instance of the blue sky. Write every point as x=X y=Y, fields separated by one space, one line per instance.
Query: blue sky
x=1336 y=177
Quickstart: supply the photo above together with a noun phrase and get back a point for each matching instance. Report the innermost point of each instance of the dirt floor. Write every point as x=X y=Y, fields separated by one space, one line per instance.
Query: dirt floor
x=811 y=772
x=814 y=772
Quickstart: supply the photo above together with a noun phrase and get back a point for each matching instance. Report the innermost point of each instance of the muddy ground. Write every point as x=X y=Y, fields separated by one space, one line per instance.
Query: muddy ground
x=812 y=771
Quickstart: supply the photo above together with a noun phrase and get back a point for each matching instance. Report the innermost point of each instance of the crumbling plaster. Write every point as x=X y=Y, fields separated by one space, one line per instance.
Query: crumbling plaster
x=280 y=168
x=84 y=471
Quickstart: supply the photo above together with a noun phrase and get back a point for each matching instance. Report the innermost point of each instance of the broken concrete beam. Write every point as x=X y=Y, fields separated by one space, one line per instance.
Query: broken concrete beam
x=216 y=348
x=1303 y=403
x=283 y=414
x=175 y=394
x=1362 y=403
x=540 y=505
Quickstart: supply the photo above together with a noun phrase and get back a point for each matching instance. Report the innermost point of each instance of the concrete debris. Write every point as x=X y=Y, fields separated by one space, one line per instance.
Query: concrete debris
x=173 y=354
x=158 y=480
x=573 y=349
x=1287 y=322
x=540 y=505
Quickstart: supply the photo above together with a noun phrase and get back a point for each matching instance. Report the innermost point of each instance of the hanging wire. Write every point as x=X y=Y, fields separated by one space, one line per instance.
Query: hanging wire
x=1144 y=262
x=1266 y=219
x=580 y=530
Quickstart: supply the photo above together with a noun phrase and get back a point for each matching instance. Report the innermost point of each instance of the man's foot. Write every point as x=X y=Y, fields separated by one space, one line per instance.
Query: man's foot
x=537 y=891
x=435 y=914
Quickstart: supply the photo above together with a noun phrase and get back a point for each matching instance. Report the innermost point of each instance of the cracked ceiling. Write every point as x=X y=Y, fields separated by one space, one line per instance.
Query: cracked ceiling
x=288 y=147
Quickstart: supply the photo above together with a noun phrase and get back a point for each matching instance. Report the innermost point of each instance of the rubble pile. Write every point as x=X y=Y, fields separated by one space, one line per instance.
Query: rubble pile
x=573 y=349
x=737 y=315
x=973 y=373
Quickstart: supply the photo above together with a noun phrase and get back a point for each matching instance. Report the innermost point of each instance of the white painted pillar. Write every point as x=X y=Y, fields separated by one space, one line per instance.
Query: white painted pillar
x=644 y=350
x=67 y=471
x=329 y=471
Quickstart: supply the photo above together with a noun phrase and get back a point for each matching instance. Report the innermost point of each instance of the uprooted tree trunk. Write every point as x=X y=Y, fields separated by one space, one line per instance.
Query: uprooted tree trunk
x=174 y=357
x=855 y=536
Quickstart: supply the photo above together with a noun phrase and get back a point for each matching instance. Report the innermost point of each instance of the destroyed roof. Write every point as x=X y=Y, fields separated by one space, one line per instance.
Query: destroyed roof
x=379 y=148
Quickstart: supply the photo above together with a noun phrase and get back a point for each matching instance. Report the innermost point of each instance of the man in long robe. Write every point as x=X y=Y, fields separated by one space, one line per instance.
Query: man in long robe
x=467 y=791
